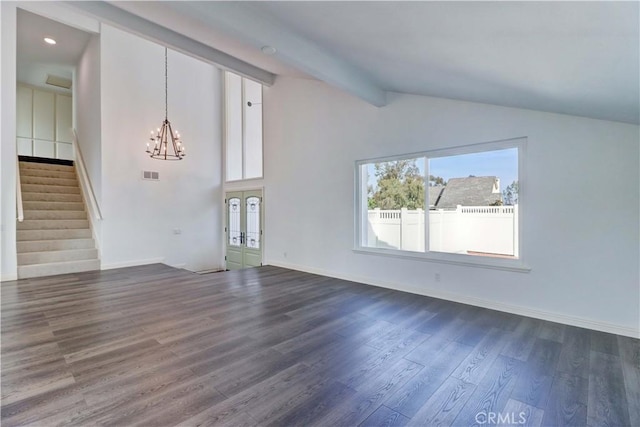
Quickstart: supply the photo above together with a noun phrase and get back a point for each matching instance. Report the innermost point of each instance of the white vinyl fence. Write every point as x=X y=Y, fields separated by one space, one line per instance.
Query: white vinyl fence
x=467 y=229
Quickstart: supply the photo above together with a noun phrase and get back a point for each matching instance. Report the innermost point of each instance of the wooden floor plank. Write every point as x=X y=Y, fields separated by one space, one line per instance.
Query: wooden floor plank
x=415 y=393
x=445 y=404
x=384 y=416
x=607 y=403
x=316 y=406
x=477 y=364
x=630 y=359
x=574 y=358
x=493 y=391
x=534 y=382
x=521 y=414
x=567 y=405
x=159 y=346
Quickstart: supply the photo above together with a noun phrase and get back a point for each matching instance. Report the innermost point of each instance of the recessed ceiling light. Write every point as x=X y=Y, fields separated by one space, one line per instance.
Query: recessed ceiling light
x=268 y=50
x=49 y=40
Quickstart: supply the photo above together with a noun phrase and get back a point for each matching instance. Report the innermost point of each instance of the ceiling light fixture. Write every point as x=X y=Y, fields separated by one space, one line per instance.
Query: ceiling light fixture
x=49 y=40
x=268 y=50
x=167 y=145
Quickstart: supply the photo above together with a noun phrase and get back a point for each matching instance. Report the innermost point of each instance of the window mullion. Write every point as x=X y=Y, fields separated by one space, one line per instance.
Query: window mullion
x=427 y=204
x=244 y=128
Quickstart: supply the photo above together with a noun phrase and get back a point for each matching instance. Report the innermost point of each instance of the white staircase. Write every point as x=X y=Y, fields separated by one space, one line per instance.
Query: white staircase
x=55 y=236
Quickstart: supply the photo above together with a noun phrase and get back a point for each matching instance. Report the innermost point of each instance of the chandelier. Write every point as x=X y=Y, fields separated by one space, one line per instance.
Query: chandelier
x=167 y=145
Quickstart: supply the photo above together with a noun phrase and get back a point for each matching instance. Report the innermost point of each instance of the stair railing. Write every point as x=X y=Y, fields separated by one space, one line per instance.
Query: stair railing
x=19 y=193
x=86 y=186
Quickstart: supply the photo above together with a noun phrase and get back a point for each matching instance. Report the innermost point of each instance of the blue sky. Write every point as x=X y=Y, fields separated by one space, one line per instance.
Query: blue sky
x=500 y=163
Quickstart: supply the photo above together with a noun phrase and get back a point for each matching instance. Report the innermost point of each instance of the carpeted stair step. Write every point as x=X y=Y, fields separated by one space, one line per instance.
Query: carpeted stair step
x=47 y=173
x=53 y=206
x=29 y=196
x=54 y=245
x=50 y=269
x=52 y=224
x=48 y=181
x=29 y=235
x=30 y=258
x=43 y=188
x=51 y=214
x=46 y=166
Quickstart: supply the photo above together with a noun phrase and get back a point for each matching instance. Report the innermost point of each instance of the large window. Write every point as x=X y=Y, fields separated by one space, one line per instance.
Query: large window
x=243 y=128
x=455 y=205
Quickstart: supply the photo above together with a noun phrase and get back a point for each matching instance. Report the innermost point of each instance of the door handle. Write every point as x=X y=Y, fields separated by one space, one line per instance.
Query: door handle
x=242 y=237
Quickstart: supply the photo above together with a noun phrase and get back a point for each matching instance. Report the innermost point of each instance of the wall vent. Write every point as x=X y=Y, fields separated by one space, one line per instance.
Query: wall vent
x=58 y=81
x=151 y=175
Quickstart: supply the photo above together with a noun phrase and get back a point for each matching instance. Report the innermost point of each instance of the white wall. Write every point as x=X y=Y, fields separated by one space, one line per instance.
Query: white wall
x=87 y=112
x=584 y=265
x=140 y=216
x=8 y=257
x=88 y=123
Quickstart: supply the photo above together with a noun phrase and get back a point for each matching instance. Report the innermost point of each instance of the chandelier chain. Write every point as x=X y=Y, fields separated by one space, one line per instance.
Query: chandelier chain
x=166 y=87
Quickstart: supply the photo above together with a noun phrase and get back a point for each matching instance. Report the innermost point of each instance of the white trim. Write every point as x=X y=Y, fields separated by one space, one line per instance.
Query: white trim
x=477 y=147
x=448 y=258
x=9 y=277
x=131 y=263
x=580 y=322
x=243 y=184
x=19 y=192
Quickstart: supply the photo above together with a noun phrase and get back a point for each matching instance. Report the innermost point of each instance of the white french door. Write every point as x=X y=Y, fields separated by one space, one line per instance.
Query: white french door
x=243 y=229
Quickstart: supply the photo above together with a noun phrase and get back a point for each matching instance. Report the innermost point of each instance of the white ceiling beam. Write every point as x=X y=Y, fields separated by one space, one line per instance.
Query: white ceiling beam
x=242 y=21
x=150 y=30
x=62 y=13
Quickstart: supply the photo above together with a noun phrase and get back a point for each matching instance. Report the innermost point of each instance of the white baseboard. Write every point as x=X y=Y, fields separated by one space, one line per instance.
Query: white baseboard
x=9 y=277
x=131 y=263
x=478 y=302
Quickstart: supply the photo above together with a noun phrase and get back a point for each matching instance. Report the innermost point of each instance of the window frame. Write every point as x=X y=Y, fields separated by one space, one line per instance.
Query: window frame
x=361 y=208
x=225 y=144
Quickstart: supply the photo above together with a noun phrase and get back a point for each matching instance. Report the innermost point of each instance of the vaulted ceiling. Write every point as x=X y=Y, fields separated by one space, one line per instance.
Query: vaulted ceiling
x=579 y=58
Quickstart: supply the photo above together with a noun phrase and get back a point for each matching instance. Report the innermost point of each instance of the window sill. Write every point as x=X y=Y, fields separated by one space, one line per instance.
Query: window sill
x=456 y=259
x=241 y=180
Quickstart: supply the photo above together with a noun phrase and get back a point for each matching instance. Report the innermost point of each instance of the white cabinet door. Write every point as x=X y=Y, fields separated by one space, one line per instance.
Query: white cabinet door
x=46 y=149
x=25 y=147
x=43 y=115
x=63 y=119
x=64 y=151
x=24 y=112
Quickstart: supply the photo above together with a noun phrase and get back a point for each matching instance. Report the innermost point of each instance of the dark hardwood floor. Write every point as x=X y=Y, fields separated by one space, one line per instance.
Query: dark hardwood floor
x=158 y=346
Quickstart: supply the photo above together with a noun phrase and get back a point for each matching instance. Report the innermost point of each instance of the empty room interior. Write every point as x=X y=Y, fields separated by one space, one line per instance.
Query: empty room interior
x=320 y=213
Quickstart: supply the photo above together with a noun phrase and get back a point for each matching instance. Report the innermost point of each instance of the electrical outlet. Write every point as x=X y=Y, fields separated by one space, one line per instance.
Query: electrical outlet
x=437 y=277
x=177 y=231
x=284 y=254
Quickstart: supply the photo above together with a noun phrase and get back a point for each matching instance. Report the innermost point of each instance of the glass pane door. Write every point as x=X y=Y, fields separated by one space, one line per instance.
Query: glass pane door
x=244 y=229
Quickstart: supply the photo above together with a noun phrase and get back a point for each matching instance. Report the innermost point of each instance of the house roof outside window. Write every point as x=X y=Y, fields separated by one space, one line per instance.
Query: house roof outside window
x=470 y=191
